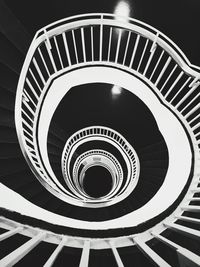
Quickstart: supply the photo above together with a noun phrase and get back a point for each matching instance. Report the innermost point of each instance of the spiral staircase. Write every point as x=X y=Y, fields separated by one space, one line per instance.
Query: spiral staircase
x=99 y=157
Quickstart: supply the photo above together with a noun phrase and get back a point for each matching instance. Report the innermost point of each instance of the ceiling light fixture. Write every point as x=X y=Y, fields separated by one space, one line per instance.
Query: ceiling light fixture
x=122 y=11
x=116 y=90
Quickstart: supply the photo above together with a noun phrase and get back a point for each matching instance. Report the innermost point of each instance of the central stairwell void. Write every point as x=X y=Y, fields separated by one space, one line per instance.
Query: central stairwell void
x=107 y=116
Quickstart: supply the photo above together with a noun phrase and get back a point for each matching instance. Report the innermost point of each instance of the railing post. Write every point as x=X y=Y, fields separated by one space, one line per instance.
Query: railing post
x=20 y=252
x=10 y=233
x=116 y=254
x=47 y=39
x=101 y=39
x=185 y=230
x=185 y=256
x=84 y=262
x=150 y=253
x=66 y=48
x=134 y=50
x=56 y=252
x=189 y=219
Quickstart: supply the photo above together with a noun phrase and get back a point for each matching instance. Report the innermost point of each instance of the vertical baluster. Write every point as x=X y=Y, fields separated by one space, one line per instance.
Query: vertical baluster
x=44 y=62
x=29 y=142
x=192 y=208
x=174 y=83
x=33 y=76
x=32 y=89
x=83 y=44
x=134 y=50
x=126 y=49
x=92 y=43
x=194 y=118
x=48 y=47
x=38 y=70
x=194 y=82
x=118 y=44
x=183 y=229
x=101 y=39
x=150 y=253
x=144 y=50
x=28 y=107
x=58 y=51
x=28 y=98
x=169 y=76
x=27 y=115
x=10 y=233
x=189 y=219
x=163 y=70
x=84 y=262
x=155 y=68
x=185 y=256
x=20 y=252
x=196 y=190
x=194 y=198
x=196 y=126
x=66 y=48
x=116 y=254
x=56 y=252
x=189 y=93
x=152 y=51
x=75 y=48
x=109 y=44
x=25 y=131
x=192 y=111
x=183 y=86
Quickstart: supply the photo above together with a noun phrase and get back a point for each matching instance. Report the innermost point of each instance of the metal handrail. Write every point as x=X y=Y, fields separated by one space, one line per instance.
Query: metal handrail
x=33 y=84
x=31 y=91
x=117 y=17
x=114 y=138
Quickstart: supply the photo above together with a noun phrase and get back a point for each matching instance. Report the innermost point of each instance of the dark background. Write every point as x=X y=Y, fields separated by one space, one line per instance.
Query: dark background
x=19 y=20
x=178 y=19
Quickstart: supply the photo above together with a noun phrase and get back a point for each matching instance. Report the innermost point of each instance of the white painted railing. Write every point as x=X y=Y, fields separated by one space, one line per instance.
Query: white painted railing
x=57 y=48
x=161 y=64
x=112 y=137
x=86 y=244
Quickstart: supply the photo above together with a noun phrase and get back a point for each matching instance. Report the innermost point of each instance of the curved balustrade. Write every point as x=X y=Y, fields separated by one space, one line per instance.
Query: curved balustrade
x=97 y=152
x=60 y=241
x=112 y=137
x=108 y=41
x=134 y=47
x=98 y=158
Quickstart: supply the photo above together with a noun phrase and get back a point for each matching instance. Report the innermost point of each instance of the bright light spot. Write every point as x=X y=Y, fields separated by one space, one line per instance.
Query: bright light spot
x=122 y=11
x=116 y=90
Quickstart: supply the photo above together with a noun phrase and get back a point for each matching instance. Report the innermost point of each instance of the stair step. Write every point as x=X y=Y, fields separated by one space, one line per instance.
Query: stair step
x=9 y=150
x=31 y=189
x=154 y=171
x=10 y=56
x=19 y=179
x=7 y=135
x=52 y=139
x=15 y=166
x=160 y=146
x=11 y=83
x=154 y=163
x=54 y=150
x=6 y=118
x=7 y=99
x=158 y=155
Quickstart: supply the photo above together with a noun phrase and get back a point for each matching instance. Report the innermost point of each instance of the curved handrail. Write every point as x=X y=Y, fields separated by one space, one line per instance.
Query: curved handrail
x=117 y=17
x=114 y=138
x=31 y=94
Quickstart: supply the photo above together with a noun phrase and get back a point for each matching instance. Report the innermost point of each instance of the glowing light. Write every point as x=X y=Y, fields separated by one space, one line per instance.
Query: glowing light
x=116 y=90
x=122 y=11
